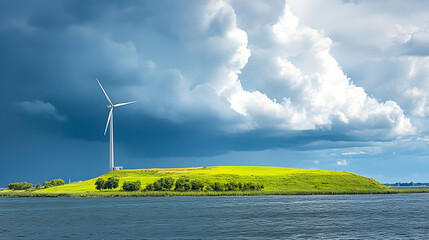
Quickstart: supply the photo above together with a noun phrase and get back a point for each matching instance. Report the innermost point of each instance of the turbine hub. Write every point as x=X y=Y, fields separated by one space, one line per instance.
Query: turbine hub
x=109 y=106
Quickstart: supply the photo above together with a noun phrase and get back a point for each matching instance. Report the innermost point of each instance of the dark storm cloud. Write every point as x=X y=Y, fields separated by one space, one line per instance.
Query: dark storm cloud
x=53 y=51
x=38 y=107
x=54 y=113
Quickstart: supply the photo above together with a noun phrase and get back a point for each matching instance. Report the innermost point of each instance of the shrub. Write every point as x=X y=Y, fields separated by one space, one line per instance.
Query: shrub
x=157 y=186
x=57 y=182
x=99 y=184
x=163 y=184
x=217 y=187
x=197 y=185
x=38 y=186
x=233 y=186
x=111 y=183
x=53 y=183
x=20 y=186
x=252 y=187
x=208 y=188
x=183 y=184
x=149 y=187
x=131 y=186
x=166 y=183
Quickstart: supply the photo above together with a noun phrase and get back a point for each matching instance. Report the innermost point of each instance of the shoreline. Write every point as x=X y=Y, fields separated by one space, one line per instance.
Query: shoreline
x=207 y=194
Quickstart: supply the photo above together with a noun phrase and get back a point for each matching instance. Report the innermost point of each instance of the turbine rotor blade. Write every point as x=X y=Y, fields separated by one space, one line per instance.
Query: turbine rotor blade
x=105 y=94
x=122 y=104
x=108 y=120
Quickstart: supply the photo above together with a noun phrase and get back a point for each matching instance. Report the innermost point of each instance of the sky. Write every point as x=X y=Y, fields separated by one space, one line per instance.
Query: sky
x=320 y=84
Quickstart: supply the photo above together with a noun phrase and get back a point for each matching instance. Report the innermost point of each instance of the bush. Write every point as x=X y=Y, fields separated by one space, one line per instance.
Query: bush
x=217 y=187
x=57 y=182
x=131 y=186
x=157 y=186
x=111 y=183
x=252 y=187
x=163 y=184
x=167 y=183
x=197 y=185
x=149 y=187
x=99 y=184
x=20 y=186
x=233 y=186
x=38 y=186
x=208 y=188
x=53 y=183
x=183 y=184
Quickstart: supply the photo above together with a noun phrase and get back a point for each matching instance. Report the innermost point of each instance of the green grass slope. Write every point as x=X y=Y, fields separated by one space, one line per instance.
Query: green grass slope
x=273 y=179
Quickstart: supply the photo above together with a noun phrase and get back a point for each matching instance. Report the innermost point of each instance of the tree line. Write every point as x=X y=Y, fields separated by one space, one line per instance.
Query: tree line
x=182 y=184
x=28 y=186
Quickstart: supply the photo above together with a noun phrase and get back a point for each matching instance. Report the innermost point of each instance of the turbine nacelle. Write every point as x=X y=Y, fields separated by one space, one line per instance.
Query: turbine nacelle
x=109 y=106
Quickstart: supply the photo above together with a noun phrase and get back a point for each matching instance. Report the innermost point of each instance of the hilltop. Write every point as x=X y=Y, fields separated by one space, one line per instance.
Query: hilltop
x=274 y=179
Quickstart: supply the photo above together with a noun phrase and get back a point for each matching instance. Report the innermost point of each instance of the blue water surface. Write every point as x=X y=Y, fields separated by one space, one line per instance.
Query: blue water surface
x=396 y=216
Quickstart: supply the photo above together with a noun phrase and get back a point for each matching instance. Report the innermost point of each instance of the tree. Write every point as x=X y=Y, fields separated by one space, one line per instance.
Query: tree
x=233 y=186
x=54 y=182
x=167 y=183
x=38 y=186
x=208 y=188
x=20 y=186
x=183 y=184
x=163 y=184
x=57 y=182
x=217 y=187
x=197 y=185
x=111 y=183
x=149 y=187
x=131 y=186
x=157 y=186
x=252 y=186
x=99 y=184
x=187 y=186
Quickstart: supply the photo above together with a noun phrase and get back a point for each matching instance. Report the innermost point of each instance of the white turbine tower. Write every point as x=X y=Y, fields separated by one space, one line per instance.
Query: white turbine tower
x=111 y=106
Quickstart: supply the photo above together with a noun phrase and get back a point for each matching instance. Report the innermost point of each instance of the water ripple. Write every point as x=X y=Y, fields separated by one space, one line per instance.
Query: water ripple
x=402 y=216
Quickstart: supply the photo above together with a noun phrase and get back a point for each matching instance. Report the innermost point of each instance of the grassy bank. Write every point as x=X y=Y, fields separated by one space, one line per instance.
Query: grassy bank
x=173 y=193
x=276 y=181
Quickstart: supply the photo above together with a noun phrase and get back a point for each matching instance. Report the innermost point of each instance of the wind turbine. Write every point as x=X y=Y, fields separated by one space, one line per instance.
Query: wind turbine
x=111 y=106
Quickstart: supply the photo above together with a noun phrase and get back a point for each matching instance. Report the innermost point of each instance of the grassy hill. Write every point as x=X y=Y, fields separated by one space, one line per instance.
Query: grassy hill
x=273 y=179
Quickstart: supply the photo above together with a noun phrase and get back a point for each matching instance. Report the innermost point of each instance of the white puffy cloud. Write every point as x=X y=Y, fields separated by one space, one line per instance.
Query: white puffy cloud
x=420 y=99
x=382 y=45
x=342 y=163
x=292 y=81
x=298 y=85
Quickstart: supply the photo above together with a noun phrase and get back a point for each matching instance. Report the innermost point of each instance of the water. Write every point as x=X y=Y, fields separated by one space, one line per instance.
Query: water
x=397 y=216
